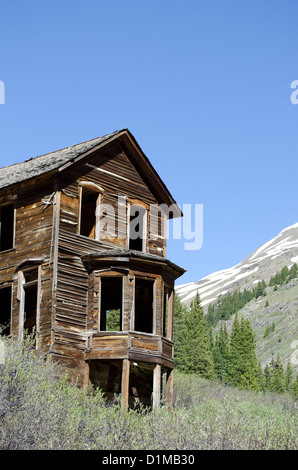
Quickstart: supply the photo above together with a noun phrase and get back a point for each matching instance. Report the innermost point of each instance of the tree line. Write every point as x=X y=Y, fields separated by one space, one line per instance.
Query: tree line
x=284 y=275
x=230 y=359
x=227 y=306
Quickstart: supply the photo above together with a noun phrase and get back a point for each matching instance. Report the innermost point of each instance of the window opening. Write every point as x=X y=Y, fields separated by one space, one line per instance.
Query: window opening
x=111 y=304
x=88 y=213
x=144 y=299
x=30 y=289
x=5 y=310
x=6 y=227
x=137 y=228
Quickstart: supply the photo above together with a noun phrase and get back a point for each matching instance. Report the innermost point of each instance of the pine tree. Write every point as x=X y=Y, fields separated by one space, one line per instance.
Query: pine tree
x=284 y=273
x=288 y=376
x=252 y=363
x=179 y=311
x=243 y=363
x=267 y=378
x=221 y=354
x=260 y=289
x=234 y=369
x=249 y=379
x=277 y=377
x=293 y=271
x=294 y=388
x=194 y=354
x=113 y=320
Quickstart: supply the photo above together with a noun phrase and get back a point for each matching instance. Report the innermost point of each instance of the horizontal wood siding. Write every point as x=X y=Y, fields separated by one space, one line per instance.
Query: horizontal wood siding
x=33 y=240
x=145 y=347
x=112 y=171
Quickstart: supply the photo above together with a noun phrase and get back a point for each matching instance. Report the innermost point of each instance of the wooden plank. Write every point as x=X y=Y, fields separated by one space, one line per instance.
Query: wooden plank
x=156 y=386
x=169 y=388
x=125 y=384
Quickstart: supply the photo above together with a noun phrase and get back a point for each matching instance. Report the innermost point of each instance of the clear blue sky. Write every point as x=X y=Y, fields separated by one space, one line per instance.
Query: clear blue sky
x=204 y=86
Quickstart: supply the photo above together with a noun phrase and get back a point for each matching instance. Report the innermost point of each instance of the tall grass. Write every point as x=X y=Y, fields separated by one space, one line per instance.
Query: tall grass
x=39 y=410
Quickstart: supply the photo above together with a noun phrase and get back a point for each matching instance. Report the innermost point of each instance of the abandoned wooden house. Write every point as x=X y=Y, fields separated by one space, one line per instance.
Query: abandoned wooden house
x=98 y=294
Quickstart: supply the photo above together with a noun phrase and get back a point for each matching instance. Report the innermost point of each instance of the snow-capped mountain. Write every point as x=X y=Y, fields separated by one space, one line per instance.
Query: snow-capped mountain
x=263 y=263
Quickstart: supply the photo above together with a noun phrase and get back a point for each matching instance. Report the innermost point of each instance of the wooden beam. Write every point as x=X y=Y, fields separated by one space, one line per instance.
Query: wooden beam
x=125 y=384
x=170 y=315
x=86 y=375
x=156 y=386
x=169 y=388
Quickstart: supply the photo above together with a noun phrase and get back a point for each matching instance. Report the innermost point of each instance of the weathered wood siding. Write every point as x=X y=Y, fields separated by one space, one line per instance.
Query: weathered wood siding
x=76 y=299
x=33 y=240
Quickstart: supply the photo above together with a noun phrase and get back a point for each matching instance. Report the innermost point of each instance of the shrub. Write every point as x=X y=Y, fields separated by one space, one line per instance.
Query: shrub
x=40 y=409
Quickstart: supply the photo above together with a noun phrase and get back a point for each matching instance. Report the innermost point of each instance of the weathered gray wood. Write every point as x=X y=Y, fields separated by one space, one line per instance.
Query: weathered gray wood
x=125 y=384
x=156 y=386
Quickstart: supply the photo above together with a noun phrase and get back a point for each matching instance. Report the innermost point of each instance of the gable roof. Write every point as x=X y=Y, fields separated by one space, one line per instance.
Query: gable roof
x=37 y=166
x=61 y=159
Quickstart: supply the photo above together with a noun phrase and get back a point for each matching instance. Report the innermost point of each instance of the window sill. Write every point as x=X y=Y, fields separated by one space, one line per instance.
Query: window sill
x=7 y=251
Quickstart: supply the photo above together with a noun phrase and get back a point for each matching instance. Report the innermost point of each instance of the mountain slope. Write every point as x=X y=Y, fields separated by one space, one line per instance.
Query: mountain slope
x=263 y=263
x=274 y=317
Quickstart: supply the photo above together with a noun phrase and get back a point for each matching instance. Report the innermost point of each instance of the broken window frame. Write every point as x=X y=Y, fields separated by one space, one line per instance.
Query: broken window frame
x=22 y=285
x=8 y=286
x=145 y=226
x=134 y=317
x=12 y=247
x=100 y=313
x=98 y=192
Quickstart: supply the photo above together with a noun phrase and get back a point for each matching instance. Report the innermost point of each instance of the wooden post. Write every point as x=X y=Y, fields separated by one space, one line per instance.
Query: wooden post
x=86 y=375
x=156 y=386
x=125 y=384
x=170 y=315
x=169 y=390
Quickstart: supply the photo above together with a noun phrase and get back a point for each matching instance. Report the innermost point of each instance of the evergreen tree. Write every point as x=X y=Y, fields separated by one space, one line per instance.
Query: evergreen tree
x=267 y=378
x=277 y=377
x=249 y=380
x=243 y=363
x=293 y=271
x=179 y=311
x=221 y=354
x=288 y=376
x=260 y=289
x=113 y=320
x=284 y=273
x=294 y=388
x=236 y=353
x=194 y=354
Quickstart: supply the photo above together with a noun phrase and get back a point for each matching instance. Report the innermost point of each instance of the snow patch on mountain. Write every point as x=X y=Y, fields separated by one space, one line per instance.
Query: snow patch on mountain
x=270 y=257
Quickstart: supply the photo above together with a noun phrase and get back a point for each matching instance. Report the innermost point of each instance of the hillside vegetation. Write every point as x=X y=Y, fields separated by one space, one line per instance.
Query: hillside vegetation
x=38 y=410
x=271 y=308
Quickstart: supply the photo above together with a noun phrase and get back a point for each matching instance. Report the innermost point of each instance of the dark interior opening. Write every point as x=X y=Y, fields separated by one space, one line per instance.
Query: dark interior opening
x=111 y=304
x=31 y=275
x=136 y=228
x=88 y=213
x=5 y=310
x=140 y=385
x=106 y=375
x=144 y=305
x=30 y=308
x=6 y=227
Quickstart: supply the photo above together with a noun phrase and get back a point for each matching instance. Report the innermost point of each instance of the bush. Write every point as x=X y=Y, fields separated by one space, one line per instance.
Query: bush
x=39 y=410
